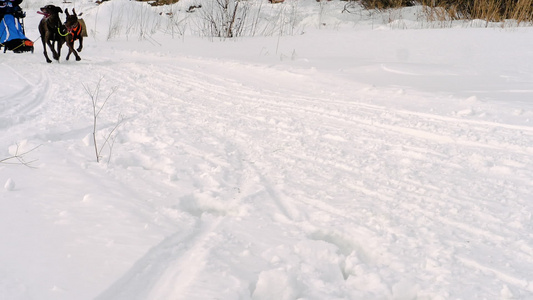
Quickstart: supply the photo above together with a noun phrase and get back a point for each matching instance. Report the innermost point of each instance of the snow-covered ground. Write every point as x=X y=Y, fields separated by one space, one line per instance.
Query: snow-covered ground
x=349 y=160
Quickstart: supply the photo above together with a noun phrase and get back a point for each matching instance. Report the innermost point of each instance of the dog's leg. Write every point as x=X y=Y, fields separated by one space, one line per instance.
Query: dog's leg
x=59 y=45
x=81 y=43
x=72 y=50
x=58 y=52
x=69 y=46
x=78 y=58
x=44 y=33
x=51 y=44
x=48 y=60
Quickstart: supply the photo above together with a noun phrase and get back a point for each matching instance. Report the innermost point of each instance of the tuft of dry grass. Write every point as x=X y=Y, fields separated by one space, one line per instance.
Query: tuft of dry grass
x=385 y=4
x=446 y=10
x=488 y=10
x=159 y=2
x=523 y=11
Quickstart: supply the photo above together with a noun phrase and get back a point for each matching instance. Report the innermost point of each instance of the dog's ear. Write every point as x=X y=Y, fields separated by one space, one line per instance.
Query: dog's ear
x=59 y=9
x=66 y=12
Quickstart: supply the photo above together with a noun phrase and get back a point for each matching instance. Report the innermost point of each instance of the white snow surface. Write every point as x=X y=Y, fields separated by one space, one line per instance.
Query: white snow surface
x=347 y=160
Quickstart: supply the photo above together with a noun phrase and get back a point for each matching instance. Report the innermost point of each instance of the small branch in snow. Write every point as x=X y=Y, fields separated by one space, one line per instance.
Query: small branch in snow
x=19 y=158
x=109 y=139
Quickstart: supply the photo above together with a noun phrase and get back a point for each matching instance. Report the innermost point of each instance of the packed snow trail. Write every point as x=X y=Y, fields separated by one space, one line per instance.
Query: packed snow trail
x=307 y=189
x=235 y=180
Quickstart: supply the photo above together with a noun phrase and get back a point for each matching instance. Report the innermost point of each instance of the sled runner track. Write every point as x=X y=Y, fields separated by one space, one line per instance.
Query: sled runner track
x=224 y=93
x=366 y=121
x=27 y=99
x=503 y=143
x=168 y=266
x=425 y=156
x=371 y=115
x=502 y=275
x=418 y=127
x=179 y=274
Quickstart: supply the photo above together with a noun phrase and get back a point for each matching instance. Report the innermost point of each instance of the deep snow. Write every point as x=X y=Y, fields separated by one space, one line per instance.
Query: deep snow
x=350 y=160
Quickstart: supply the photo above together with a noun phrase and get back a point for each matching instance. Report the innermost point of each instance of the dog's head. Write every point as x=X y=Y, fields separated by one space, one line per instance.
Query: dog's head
x=50 y=10
x=72 y=19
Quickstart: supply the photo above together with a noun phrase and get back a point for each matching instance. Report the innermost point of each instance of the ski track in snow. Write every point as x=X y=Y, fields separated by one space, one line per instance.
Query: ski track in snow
x=244 y=136
x=350 y=197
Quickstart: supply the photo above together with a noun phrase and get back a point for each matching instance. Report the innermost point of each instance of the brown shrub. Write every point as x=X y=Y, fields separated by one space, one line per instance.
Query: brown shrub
x=489 y=10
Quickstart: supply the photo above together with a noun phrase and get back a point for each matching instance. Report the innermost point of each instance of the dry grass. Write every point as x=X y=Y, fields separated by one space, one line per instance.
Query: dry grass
x=385 y=4
x=523 y=11
x=488 y=10
x=159 y=2
x=445 y=10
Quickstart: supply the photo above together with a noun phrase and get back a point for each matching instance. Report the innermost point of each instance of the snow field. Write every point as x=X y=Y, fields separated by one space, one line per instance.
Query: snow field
x=395 y=166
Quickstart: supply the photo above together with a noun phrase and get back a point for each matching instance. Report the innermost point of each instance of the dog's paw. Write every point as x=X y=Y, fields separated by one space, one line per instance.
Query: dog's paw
x=78 y=58
x=79 y=49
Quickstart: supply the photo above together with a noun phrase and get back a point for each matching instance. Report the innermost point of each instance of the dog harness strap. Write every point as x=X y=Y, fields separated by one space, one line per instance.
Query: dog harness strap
x=76 y=30
x=59 y=32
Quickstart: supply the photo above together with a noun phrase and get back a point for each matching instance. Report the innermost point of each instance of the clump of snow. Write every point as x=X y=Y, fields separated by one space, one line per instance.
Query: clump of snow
x=275 y=284
x=10 y=184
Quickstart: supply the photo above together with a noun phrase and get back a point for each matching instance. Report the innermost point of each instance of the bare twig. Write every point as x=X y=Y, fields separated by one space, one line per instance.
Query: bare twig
x=109 y=139
x=19 y=157
x=97 y=109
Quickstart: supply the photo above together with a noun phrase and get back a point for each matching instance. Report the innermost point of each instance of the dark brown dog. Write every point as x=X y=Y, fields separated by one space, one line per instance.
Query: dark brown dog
x=52 y=31
x=74 y=28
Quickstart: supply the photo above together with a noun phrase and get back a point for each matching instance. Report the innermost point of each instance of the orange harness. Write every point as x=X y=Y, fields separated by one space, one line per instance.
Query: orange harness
x=76 y=32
